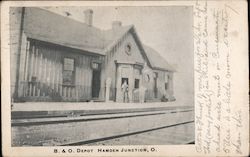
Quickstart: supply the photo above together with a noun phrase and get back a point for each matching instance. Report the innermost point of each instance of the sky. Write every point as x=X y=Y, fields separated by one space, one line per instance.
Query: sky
x=168 y=30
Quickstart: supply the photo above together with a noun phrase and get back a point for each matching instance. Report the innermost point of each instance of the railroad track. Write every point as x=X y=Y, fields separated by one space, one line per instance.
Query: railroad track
x=93 y=141
x=112 y=128
x=89 y=117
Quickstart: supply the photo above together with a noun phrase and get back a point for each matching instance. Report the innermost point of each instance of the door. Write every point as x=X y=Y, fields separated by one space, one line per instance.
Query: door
x=155 y=85
x=96 y=81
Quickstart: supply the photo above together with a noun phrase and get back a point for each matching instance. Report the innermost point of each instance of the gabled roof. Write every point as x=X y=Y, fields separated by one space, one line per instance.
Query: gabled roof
x=111 y=37
x=47 y=26
x=156 y=60
x=54 y=28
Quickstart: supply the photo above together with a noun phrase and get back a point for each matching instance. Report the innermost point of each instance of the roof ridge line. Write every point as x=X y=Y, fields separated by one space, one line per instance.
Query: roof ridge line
x=69 y=18
x=110 y=46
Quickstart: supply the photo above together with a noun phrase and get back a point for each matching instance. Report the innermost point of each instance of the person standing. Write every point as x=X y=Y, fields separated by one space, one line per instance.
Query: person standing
x=125 y=91
x=142 y=91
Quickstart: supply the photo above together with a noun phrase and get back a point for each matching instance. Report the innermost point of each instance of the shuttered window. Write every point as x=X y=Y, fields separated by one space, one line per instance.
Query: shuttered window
x=68 y=71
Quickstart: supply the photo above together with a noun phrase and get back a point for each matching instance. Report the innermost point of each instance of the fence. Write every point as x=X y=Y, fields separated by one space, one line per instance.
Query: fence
x=43 y=91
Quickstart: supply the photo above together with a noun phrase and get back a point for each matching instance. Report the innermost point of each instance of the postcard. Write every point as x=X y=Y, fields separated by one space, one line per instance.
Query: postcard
x=124 y=78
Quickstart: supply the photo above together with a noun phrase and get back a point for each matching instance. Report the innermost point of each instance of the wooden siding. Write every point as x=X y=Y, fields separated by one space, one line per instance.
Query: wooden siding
x=41 y=72
x=112 y=71
x=16 y=16
x=118 y=53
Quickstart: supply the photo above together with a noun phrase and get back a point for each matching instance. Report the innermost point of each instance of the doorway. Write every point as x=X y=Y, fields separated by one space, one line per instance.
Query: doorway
x=96 y=83
x=155 y=85
x=123 y=80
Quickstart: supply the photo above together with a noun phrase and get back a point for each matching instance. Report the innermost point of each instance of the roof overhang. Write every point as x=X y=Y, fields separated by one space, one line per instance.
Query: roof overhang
x=92 y=51
x=162 y=69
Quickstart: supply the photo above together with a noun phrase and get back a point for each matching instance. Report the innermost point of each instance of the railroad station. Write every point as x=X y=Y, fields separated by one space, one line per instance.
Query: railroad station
x=75 y=84
x=61 y=59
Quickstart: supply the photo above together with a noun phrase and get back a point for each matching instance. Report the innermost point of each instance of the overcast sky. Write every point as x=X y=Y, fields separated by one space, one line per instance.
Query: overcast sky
x=166 y=29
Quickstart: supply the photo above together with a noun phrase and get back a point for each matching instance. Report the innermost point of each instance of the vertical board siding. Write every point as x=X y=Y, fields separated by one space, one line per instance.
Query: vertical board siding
x=21 y=73
x=31 y=69
x=44 y=74
x=26 y=68
x=43 y=69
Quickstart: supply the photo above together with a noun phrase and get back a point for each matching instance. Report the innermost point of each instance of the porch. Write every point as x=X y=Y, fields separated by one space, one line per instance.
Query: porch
x=34 y=91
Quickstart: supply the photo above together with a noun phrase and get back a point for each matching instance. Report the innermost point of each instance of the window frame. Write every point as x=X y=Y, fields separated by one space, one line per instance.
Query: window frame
x=72 y=83
x=137 y=84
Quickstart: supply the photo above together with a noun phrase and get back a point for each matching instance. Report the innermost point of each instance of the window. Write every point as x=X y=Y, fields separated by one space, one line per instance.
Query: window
x=128 y=49
x=68 y=71
x=166 y=86
x=124 y=79
x=68 y=64
x=166 y=77
x=137 y=81
x=147 y=78
x=95 y=66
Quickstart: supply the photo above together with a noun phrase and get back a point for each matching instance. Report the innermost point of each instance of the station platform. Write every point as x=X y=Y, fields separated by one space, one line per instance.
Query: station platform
x=62 y=109
x=69 y=124
x=57 y=106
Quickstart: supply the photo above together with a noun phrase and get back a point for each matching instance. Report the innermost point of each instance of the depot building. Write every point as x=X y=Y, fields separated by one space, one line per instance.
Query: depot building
x=56 y=58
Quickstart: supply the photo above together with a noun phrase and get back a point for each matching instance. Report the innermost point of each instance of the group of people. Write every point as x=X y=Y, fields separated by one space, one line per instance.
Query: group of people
x=125 y=91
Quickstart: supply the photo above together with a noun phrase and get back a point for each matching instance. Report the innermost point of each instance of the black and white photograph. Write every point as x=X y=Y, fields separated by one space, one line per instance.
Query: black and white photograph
x=101 y=75
x=124 y=78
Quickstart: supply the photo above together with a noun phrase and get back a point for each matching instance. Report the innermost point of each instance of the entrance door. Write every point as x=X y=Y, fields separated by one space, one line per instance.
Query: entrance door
x=124 y=79
x=155 y=87
x=96 y=81
x=155 y=84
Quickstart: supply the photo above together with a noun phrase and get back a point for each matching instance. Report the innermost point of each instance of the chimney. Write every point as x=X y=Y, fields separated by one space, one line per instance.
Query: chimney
x=88 y=17
x=116 y=24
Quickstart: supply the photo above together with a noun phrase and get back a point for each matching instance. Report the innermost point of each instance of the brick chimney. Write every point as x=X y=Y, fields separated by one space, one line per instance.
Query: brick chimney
x=116 y=24
x=88 y=17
